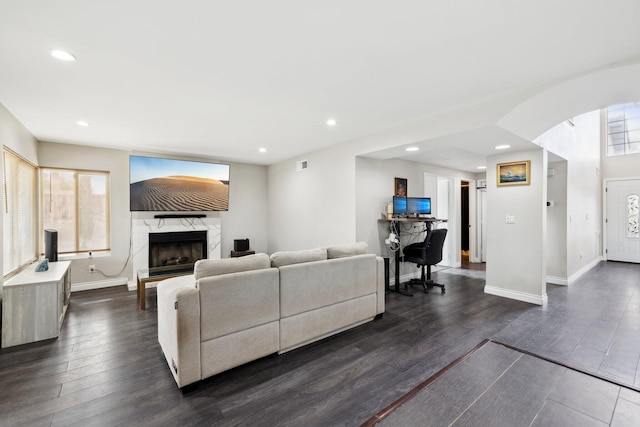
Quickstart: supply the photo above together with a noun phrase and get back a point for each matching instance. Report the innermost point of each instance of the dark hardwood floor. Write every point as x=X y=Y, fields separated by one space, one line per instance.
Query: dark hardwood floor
x=496 y=385
x=106 y=367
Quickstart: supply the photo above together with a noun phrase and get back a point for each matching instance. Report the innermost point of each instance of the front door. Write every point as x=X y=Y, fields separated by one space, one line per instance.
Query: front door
x=623 y=238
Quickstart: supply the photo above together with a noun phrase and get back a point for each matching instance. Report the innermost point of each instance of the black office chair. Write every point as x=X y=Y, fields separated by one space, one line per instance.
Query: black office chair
x=426 y=253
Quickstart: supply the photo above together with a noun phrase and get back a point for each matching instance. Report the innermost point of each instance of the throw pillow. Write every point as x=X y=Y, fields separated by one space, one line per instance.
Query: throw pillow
x=280 y=259
x=346 y=251
x=216 y=267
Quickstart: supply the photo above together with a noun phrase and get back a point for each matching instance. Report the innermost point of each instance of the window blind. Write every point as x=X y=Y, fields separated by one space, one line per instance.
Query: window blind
x=19 y=221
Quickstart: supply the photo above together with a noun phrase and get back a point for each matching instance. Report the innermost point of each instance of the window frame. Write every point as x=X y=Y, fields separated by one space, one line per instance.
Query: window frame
x=626 y=117
x=76 y=173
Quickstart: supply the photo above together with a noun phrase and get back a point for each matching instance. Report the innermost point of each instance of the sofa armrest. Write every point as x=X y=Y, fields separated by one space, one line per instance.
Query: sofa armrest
x=179 y=328
x=380 y=285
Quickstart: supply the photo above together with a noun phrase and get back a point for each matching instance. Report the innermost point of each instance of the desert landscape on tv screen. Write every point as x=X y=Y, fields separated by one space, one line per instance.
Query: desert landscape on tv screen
x=177 y=185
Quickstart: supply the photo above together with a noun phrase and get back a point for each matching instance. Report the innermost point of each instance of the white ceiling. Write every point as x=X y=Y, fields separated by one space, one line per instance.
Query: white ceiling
x=465 y=151
x=222 y=79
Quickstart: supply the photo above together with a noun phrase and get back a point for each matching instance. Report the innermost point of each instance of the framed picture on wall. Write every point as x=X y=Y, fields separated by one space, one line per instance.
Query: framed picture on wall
x=400 y=187
x=513 y=173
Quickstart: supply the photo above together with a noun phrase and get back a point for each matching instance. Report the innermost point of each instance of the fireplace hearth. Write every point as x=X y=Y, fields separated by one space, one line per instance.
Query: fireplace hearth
x=176 y=252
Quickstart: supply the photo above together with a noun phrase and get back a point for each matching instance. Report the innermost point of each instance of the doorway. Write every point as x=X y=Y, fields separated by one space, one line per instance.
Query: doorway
x=464 y=222
x=623 y=237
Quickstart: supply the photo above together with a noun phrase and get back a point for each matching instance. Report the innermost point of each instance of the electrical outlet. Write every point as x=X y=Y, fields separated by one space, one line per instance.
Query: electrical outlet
x=91 y=267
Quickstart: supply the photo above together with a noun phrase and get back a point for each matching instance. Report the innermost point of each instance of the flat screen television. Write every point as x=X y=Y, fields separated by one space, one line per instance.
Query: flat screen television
x=399 y=205
x=170 y=185
x=419 y=205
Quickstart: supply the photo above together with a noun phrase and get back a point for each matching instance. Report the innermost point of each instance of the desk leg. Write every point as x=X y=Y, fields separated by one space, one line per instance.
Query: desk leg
x=396 y=288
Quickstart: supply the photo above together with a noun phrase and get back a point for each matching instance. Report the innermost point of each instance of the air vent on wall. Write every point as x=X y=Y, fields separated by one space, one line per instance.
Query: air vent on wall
x=482 y=183
x=302 y=165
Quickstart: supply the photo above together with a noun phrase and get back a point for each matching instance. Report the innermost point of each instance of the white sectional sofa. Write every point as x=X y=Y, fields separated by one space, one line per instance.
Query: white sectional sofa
x=233 y=311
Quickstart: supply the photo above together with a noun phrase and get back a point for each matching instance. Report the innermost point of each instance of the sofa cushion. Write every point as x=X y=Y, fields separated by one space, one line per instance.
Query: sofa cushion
x=280 y=259
x=309 y=286
x=359 y=248
x=216 y=267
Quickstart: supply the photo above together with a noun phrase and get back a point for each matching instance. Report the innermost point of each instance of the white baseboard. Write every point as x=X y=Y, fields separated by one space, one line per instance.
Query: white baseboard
x=554 y=280
x=98 y=284
x=575 y=276
x=516 y=295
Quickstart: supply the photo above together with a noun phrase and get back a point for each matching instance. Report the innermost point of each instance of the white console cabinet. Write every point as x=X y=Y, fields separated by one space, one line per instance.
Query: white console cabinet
x=34 y=304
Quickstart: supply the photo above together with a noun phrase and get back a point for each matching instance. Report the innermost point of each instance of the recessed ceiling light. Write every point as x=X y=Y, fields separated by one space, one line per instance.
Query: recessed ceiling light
x=482 y=167
x=412 y=149
x=82 y=123
x=502 y=147
x=63 y=56
x=262 y=150
x=331 y=122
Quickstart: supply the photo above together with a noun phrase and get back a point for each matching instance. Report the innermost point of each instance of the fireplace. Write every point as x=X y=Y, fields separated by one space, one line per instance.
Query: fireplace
x=176 y=252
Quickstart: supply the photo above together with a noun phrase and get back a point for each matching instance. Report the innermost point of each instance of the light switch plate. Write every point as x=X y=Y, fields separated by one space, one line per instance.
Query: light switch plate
x=510 y=219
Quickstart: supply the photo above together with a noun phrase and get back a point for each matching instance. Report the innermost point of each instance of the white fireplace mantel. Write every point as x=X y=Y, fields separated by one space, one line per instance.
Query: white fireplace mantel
x=142 y=227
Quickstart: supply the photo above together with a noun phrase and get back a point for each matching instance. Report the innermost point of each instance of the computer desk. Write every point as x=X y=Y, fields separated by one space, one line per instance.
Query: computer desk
x=428 y=223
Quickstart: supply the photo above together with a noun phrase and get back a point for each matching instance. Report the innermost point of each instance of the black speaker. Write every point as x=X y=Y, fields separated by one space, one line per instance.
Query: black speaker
x=241 y=245
x=51 y=245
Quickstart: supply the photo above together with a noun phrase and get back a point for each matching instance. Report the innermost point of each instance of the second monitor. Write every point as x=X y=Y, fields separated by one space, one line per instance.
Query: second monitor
x=418 y=206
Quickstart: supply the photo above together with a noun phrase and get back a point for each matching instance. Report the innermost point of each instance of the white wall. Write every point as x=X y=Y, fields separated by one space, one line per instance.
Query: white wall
x=246 y=218
x=580 y=146
x=15 y=137
x=516 y=265
x=313 y=207
x=618 y=167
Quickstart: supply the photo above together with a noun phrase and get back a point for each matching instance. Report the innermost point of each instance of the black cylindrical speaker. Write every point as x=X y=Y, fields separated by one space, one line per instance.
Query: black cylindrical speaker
x=51 y=245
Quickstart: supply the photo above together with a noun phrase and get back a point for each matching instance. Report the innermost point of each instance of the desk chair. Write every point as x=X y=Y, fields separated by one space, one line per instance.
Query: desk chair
x=426 y=253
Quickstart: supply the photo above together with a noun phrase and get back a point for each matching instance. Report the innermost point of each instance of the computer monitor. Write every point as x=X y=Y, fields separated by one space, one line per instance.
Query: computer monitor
x=399 y=205
x=419 y=205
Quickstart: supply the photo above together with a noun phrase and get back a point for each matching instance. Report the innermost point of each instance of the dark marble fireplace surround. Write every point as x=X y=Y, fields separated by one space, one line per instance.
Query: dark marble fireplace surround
x=176 y=252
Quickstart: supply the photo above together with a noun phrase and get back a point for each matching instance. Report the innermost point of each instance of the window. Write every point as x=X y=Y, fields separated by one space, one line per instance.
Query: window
x=19 y=221
x=76 y=204
x=632 y=215
x=623 y=122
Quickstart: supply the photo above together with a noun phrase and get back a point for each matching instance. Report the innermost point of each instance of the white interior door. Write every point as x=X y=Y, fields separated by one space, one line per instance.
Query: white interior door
x=442 y=212
x=623 y=239
x=482 y=226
